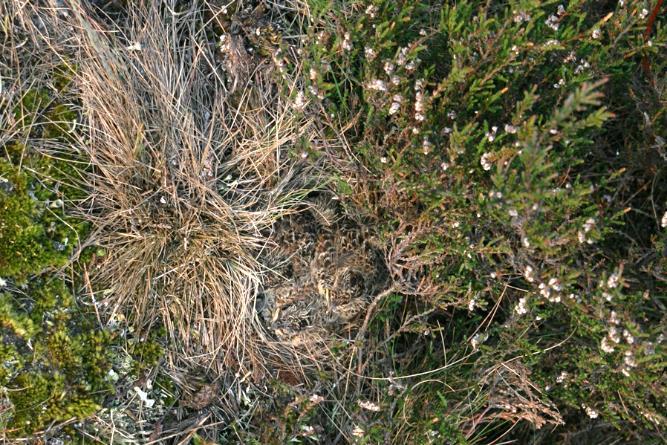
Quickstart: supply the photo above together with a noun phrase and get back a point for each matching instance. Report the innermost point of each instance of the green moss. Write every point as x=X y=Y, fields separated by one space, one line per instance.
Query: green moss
x=32 y=236
x=32 y=103
x=63 y=373
x=60 y=120
x=53 y=360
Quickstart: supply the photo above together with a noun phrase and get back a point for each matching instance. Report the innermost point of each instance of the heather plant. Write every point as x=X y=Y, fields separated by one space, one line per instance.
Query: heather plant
x=501 y=151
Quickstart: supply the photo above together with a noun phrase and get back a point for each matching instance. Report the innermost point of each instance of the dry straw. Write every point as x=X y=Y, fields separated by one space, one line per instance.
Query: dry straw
x=187 y=177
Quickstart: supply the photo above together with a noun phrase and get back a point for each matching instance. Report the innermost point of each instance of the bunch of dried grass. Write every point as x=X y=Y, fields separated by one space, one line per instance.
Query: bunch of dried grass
x=186 y=178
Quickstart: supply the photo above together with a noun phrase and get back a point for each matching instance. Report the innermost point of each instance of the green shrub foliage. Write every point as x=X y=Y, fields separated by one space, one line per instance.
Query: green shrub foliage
x=513 y=156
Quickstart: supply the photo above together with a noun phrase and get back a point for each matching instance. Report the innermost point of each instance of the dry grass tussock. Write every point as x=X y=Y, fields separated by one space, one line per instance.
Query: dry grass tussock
x=187 y=177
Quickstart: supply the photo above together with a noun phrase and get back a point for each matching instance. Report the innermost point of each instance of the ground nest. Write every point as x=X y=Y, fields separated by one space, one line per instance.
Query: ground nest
x=326 y=272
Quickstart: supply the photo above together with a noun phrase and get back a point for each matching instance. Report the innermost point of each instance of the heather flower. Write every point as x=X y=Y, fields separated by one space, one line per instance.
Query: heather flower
x=358 y=431
x=426 y=146
x=396 y=103
x=307 y=430
x=581 y=236
x=347 y=44
x=300 y=100
x=613 y=280
x=529 y=274
x=419 y=104
x=552 y=22
x=369 y=406
x=521 y=308
x=590 y=411
x=521 y=16
x=606 y=346
x=628 y=337
x=402 y=56
x=491 y=135
x=377 y=85
x=485 y=161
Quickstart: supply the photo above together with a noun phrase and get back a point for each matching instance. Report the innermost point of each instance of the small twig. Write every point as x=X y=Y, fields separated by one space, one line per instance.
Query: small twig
x=646 y=65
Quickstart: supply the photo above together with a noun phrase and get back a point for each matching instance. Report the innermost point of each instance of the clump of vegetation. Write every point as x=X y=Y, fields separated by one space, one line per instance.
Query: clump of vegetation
x=53 y=359
x=500 y=152
x=505 y=162
x=54 y=362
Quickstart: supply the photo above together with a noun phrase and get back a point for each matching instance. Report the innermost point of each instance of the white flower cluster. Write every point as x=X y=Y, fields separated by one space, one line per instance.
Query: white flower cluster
x=426 y=145
x=529 y=274
x=590 y=412
x=485 y=161
x=629 y=363
x=402 y=56
x=300 y=101
x=491 y=135
x=582 y=66
x=551 y=290
x=377 y=85
x=395 y=104
x=511 y=129
x=552 y=22
x=614 y=334
x=419 y=101
x=521 y=308
x=586 y=228
x=663 y=222
x=521 y=17
x=347 y=42
x=613 y=280
x=316 y=399
x=369 y=406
